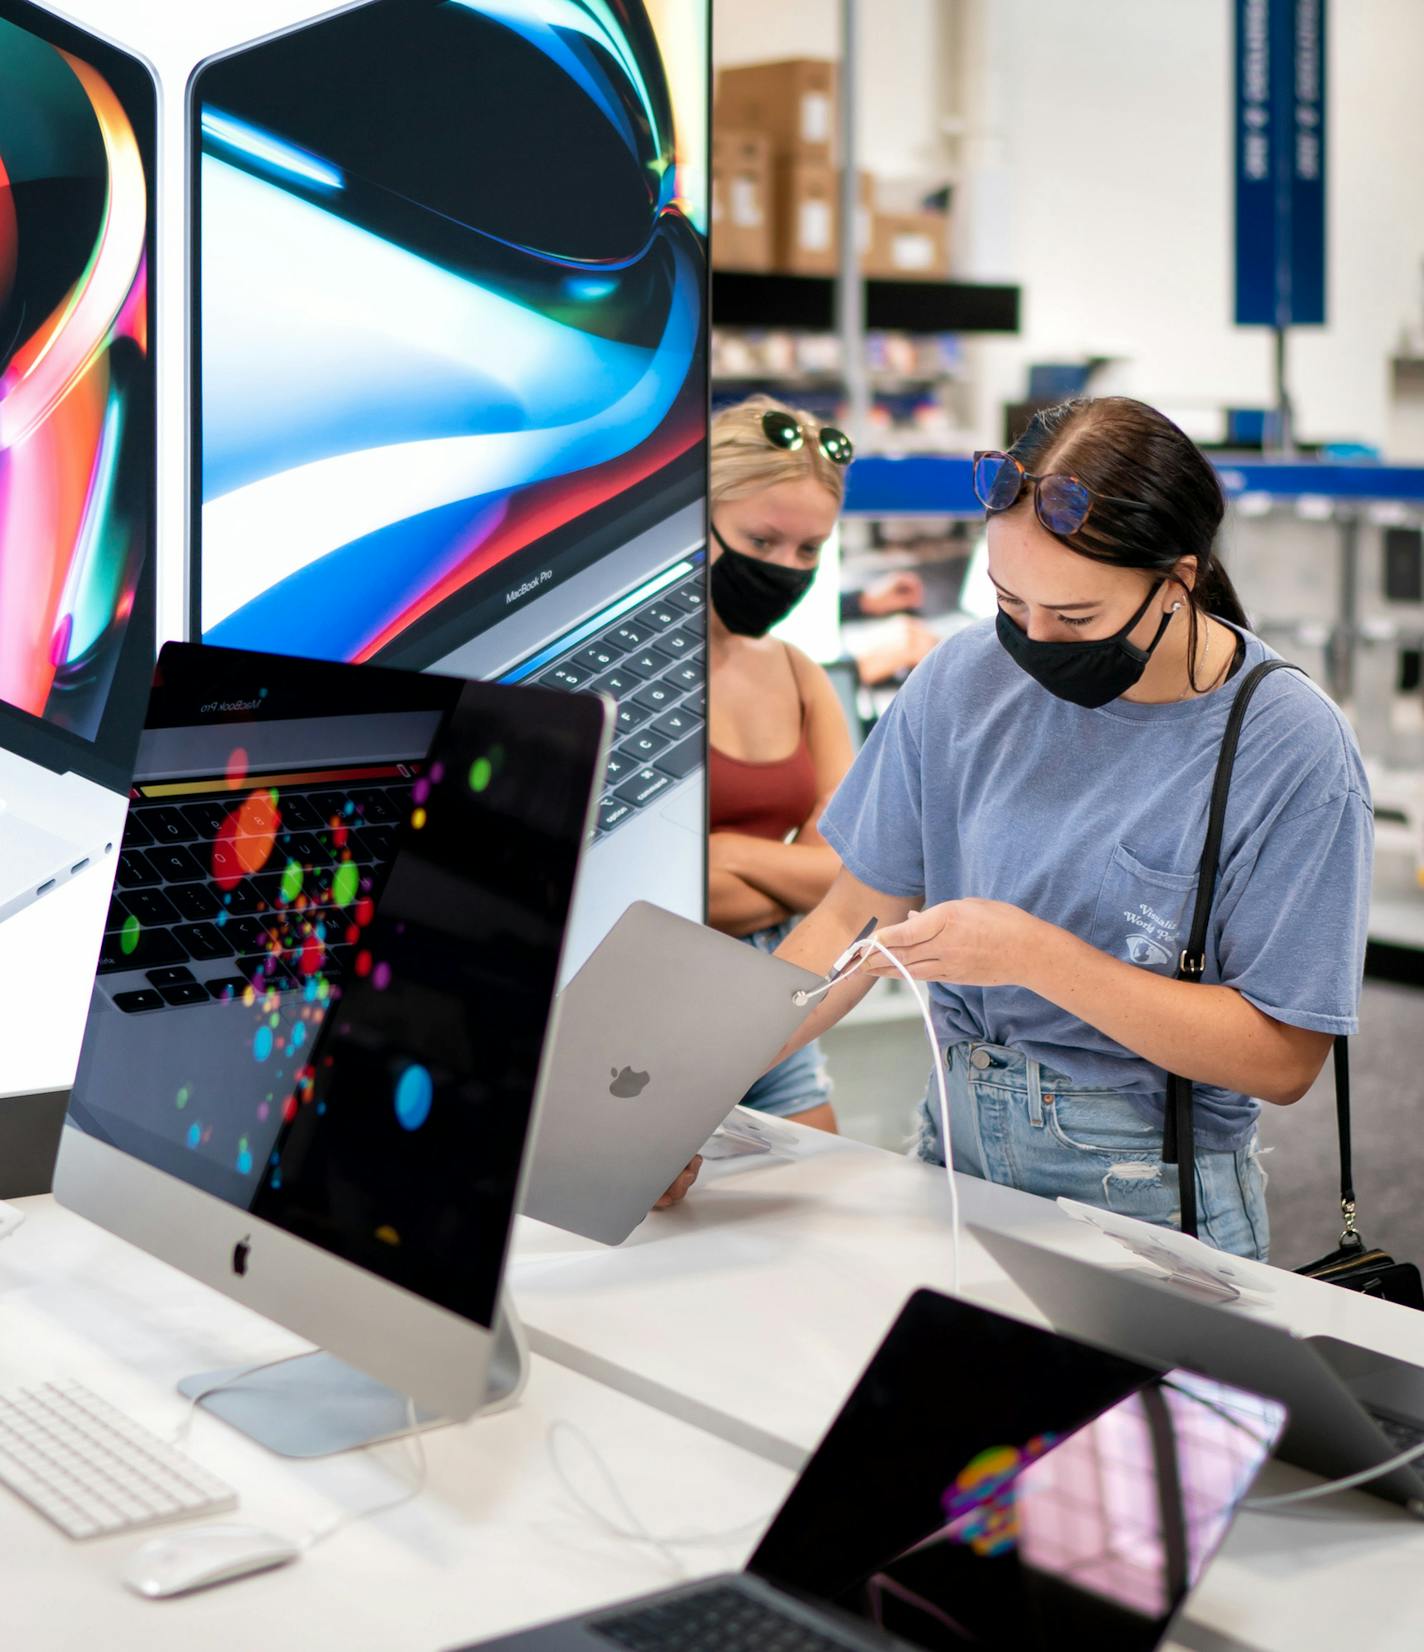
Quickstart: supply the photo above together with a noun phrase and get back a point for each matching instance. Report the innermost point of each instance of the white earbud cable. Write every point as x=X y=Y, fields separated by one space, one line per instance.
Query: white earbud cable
x=629 y=1527
x=1346 y=1483
x=862 y=948
x=843 y=973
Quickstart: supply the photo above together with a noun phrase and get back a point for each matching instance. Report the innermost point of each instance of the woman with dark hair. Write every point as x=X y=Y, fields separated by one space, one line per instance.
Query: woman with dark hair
x=1026 y=822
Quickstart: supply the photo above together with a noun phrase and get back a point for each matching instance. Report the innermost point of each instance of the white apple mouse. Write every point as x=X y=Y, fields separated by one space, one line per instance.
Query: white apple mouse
x=197 y=1558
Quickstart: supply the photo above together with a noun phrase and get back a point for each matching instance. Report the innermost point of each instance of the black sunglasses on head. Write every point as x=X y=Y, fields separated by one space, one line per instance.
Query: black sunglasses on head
x=1060 y=501
x=782 y=431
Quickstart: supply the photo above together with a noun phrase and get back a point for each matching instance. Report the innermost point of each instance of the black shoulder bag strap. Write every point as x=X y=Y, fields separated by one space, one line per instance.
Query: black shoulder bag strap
x=1342 y=1119
x=1179 y=1133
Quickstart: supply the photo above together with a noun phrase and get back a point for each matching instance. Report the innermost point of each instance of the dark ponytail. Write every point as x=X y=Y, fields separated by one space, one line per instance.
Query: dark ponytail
x=1125 y=448
x=1217 y=595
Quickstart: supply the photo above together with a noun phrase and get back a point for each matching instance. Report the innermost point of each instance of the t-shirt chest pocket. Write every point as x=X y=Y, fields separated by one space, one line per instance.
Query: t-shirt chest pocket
x=1143 y=914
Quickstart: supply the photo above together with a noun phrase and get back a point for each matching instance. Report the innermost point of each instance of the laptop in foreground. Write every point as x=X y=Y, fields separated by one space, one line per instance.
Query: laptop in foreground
x=987 y=1484
x=1350 y=1408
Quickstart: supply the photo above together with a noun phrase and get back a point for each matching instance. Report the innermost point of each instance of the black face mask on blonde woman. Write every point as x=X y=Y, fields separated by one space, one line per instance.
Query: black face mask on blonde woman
x=751 y=595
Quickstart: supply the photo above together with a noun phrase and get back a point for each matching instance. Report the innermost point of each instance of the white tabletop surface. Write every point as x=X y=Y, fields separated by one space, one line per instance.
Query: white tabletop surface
x=748 y=1311
x=772 y=1284
x=752 y=1308
x=493 y=1542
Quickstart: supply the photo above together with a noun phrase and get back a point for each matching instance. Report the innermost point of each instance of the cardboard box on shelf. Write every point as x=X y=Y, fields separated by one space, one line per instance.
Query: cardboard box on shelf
x=792 y=103
x=908 y=246
x=742 y=236
x=807 y=240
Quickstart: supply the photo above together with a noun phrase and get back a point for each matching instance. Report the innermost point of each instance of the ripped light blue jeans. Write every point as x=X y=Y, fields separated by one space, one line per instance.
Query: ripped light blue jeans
x=1015 y=1122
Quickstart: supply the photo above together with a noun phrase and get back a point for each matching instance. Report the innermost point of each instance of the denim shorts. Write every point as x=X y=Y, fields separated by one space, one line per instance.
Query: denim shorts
x=799 y=1083
x=1025 y=1126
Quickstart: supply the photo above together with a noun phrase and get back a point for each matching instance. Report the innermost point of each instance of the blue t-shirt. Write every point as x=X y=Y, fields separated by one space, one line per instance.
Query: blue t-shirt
x=978 y=782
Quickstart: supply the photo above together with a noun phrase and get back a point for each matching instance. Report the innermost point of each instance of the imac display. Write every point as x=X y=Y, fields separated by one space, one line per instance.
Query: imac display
x=319 y=1009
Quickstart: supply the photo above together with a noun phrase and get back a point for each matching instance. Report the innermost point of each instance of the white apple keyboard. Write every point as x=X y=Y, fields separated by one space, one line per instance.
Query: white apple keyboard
x=93 y=1472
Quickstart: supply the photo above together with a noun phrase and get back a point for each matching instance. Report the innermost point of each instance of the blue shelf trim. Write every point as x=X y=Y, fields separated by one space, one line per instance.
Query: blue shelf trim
x=942 y=484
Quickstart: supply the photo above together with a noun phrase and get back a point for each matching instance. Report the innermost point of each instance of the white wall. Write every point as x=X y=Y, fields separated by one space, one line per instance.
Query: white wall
x=1095 y=157
x=1116 y=127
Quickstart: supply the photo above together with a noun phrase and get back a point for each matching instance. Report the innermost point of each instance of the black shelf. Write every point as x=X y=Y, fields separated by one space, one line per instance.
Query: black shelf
x=808 y=302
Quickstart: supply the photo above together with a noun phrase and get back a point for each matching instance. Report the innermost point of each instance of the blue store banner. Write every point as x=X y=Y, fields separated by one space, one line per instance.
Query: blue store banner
x=1280 y=162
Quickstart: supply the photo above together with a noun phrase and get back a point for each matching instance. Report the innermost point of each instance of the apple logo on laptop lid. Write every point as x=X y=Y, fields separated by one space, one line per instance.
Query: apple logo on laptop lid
x=627 y=1083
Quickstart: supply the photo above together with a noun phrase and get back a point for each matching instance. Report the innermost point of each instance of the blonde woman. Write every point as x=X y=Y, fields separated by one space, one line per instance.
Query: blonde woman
x=779 y=745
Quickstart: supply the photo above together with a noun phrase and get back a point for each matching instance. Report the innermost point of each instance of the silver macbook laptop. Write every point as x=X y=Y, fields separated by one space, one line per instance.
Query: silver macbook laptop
x=453 y=417
x=658 y=1036
x=77 y=465
x=1350 y=1408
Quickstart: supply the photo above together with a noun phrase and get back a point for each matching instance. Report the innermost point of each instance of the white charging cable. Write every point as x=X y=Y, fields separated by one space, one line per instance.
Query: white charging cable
x=858 y=951
x=413 y=1442
x=409 y=1437
x=1347 y=1482
x=630 y=1528
x=179 y=1437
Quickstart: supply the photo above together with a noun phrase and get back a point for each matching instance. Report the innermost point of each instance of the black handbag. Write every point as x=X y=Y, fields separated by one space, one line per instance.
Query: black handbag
x=1352 y=1264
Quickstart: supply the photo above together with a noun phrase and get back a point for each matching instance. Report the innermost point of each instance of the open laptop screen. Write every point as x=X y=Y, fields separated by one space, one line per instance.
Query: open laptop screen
x=449 y=315
x=77 y=463
x=991 y=1484
x=328 y=969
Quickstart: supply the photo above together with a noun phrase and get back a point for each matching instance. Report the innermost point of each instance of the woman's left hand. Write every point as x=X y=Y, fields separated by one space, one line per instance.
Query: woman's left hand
x=973 y=943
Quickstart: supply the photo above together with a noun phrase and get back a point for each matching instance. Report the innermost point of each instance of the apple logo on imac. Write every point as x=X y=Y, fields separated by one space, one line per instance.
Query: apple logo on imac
x=627 y=1083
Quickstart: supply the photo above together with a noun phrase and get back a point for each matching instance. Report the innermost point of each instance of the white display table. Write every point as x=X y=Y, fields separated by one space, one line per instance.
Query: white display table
x=494 y=1541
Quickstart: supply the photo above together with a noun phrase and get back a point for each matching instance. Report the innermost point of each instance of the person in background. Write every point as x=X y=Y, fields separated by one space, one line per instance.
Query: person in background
x=897 y=593
x=1025 y=824
x=778 y=741
x=898 y=650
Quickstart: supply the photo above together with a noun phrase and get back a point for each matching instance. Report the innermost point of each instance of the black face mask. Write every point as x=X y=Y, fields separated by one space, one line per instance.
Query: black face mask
x=750 y=595
x=1085 y=673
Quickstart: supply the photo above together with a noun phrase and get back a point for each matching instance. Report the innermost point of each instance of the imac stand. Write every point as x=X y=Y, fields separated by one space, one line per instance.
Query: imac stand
x=314 y=1405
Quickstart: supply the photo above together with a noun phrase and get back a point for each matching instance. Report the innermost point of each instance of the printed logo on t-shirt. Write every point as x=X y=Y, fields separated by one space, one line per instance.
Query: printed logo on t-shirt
x=1153 y=941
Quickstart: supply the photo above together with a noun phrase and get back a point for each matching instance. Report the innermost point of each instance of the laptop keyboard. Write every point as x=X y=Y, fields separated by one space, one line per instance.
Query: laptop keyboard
x=721 y=1619
x=209 y=899
x=653 y=665
x=1403 y=1436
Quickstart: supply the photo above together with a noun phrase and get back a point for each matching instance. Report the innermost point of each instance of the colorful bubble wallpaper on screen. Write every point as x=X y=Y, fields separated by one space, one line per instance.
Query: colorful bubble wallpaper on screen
x=75 y=381
x=451 y=300
x=299 y=897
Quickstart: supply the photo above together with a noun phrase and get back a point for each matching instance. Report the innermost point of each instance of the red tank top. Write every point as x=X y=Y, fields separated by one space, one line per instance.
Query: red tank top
x=762 y=799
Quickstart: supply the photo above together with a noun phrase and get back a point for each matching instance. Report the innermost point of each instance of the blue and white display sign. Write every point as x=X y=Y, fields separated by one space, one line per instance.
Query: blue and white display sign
x=1279 y=116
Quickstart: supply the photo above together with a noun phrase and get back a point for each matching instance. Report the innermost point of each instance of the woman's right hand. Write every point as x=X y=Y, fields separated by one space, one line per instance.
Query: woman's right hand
x=678 y=1191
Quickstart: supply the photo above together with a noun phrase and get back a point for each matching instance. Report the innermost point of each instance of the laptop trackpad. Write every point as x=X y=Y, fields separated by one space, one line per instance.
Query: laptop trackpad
x=687 y=808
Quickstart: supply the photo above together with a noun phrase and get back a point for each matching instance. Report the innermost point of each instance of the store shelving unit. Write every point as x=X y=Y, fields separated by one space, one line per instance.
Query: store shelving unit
x=922 y=484
x=808 y=303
